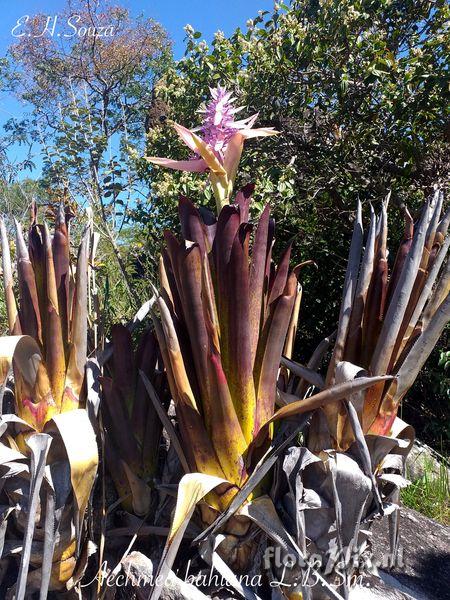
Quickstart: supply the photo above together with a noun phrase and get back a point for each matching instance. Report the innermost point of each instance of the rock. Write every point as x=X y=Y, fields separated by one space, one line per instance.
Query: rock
x=377 y=589
x=423 y=459
x=177 y=589
x=138 y=578
x=424 y=569
x=138 y=572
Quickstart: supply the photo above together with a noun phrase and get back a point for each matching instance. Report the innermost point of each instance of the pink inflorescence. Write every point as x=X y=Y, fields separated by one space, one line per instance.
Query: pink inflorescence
x=218 y=121
x=219 y=146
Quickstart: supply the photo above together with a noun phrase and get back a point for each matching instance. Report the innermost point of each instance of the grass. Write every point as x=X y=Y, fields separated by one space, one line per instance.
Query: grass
x=430 y=494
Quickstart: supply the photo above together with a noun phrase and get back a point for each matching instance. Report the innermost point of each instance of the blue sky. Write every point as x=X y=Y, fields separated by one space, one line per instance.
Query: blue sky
x=206 y=16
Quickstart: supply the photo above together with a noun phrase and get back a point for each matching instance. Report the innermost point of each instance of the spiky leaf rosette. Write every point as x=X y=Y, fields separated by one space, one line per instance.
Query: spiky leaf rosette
x=224 y=311
x=52 y=309
x=49 y=445
x=390 y=321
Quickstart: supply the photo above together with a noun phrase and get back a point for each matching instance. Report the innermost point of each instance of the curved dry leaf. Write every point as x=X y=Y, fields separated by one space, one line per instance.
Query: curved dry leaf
x=39 y=444
x=304 y=372
x=262 y=512
x=192 y=489
x=332 y=394
x=34 y=398
x=80 y=444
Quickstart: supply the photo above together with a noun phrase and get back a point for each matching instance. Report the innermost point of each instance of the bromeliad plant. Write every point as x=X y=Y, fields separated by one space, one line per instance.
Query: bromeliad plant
x=356 y=449
x=52 y=310
x=224 y=310
x=389 y=321
x=133 y=428
x=223 y=314
x=226 y=314
x=48 y=447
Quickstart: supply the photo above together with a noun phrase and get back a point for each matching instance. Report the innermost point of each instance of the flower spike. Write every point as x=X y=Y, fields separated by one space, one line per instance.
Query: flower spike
x=219 y=147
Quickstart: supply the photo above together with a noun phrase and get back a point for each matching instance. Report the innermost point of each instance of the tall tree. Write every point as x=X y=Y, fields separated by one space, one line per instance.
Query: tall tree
x=89 y=76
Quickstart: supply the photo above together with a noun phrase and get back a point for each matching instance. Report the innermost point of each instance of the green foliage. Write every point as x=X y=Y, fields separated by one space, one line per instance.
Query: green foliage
x=444 y=363
x=15 y=198
x=430 y=494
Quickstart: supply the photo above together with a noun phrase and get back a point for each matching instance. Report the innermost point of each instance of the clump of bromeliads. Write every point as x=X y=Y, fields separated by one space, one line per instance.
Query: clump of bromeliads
x=271 y=462
x=226 y=315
